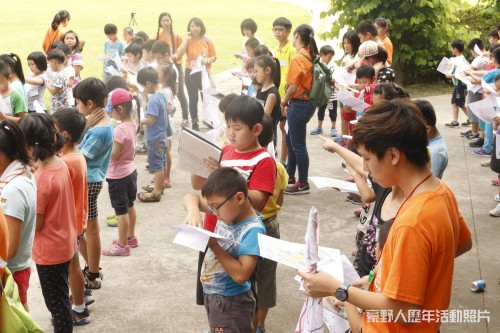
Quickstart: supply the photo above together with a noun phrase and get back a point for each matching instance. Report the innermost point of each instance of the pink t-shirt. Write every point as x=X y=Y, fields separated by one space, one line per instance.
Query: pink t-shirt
x=55 y=242
x=124 y=165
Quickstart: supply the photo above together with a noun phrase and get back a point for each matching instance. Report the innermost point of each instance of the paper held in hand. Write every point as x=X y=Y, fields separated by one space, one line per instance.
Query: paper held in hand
x=342 y=185
x=193 y=148
x=343 y=77
x=484 y=109
x=355 y=103
x=446 y=66
x=194 y=237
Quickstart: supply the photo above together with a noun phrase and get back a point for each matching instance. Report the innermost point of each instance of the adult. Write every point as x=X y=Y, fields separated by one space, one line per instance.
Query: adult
x=174 y=41
x=18 y=201
x=427 y=234
x=373 y=54
x=299 y=108
x=382 y=28
x=56 y=30
x=196 y=45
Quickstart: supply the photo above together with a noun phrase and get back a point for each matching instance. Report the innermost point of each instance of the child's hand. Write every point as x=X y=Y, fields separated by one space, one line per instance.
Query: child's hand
x=496 y=120
x=450 y=76
x=338 y=305
x=194 y=219
x=95 y=116
x=361 y=283
x=211 y=164
x=347 y=109
x=328 y=144
x=212 y=242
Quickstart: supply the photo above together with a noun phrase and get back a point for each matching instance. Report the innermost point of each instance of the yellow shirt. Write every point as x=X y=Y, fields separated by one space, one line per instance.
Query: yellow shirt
x=284 y=55
x=272 y=207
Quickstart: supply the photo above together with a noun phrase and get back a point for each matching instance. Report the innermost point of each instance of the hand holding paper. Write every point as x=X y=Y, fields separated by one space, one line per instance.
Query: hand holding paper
x=194 y=237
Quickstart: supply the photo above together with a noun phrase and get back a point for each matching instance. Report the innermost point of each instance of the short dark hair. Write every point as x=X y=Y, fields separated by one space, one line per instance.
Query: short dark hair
x=148 y=45
x=394 y=124
x=390 y=91
x=116 y=82
x=367 y=26
x=493 y=47
x=353 y=38
x=161 y=47
x=12 y=142
x=261 y=50
x=224 y=182
x=382 y=22
x=135 y=49
x=475 y=41
x=251 y=63
x=496 y=55
x=137 y=40
x=458 y=44
x=110 y=28
x=91 y=89
x=246 y=110
x=225 y=101
x=72 y=121
x=147 y=74
x=427 y=111
x=284 y=22
x=267 y=134
x=57 y=55
x=142 y=35
x=494 y=33
x=198 y=22
x=65 y=48
x=39 y=59
x=252 y=43
x=365 y=71
x=326 y=49
x=39 y=131
x=248 y=24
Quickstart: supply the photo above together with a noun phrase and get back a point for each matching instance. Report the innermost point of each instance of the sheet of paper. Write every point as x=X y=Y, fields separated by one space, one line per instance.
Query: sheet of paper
x=3 y=107
x=477 y=50
x=484 y=109
x=336 y=322
x=350 y=274
x=209 y=104
x=446 y=66
x=111 y=70
x=118 y=62
x=197 y=66
x=497 y=143
x=489 y=87
x=193 y=148
x=246 y=81
x=133 y=82
x=194 y=237
x=104 y=58
x=343 y=77
x=342 y=185
x=213 y=92
x=353 y=102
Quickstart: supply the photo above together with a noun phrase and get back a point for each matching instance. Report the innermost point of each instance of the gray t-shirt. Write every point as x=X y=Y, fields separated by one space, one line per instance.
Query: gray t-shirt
x=35 y=93
x=439 y=156
x=18 y=200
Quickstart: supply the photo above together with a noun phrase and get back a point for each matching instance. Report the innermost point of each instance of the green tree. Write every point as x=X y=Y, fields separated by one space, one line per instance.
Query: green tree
x=420 y=30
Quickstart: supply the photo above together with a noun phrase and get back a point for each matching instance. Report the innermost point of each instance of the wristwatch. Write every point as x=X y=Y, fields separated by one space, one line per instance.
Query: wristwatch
x=341 y=293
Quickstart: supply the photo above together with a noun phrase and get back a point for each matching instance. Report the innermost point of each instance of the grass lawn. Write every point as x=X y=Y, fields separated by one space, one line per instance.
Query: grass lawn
x=24 y=27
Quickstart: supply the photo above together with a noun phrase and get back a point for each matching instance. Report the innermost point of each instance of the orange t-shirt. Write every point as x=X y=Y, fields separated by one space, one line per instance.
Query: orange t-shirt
x=55 y=242
x=4 y=240
x=51 y=37
x=195 y=48
x=388 y=48
x=416 y=265
x=169 y=41
x=300 y=74
x=77 y=167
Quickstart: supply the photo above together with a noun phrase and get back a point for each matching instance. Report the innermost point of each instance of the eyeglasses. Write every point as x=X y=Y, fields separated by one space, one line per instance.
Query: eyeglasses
x=278 y=29
x=215 y=210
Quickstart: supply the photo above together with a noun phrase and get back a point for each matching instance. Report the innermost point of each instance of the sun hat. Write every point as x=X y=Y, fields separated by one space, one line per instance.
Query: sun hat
x=119 y=96
x=368 y=49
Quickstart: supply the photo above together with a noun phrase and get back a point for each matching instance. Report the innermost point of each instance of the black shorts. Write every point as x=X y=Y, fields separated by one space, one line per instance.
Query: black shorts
x=458 y=95
x=122 y=192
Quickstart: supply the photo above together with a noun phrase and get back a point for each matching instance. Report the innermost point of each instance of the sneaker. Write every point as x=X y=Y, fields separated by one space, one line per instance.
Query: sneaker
x=466 y=123
x=112 y=222
x=88 y=299
x=260 y=330
x=81 y=318
x=316 y=131
x=495 y=182
x=495 y=212
x=485 y=164
x=481 y=152
x=196 y=127
x=92 y=284
x=333 y=132
x=353 y=200
x=85 y=272
x=466 y=133
x=297 y=188
x=132 y=241
x=338 y=139
x=476 y=143
x=291 y=181
x=471 y=136
x=452 y=124
x=185 y=123
x=497 y=198
x=116 y=250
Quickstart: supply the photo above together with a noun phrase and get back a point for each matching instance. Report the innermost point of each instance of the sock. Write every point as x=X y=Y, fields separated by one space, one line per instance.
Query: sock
x=93 y=276
x=78 y=308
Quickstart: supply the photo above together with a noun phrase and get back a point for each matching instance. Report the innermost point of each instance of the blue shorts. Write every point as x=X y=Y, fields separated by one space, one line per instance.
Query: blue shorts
x=157 y=155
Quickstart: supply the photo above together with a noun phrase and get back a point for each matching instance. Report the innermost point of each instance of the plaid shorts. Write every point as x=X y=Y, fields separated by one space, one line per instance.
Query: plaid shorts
x=94 y=190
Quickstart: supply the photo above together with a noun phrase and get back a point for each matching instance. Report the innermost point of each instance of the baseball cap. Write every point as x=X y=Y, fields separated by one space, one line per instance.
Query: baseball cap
x=368 y=49
x=119 y=96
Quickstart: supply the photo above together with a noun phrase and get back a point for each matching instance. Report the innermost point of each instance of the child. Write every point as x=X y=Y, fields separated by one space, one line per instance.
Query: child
x=326 y=54
x=156 y=123
x=96 y=145
x=122 y=174
x=284 y=53
x=70 y=124
x=14 y=101
x=128 y=35
x=387 y=92
x=248 y=29
x=168 y=77
x=459 y=88
x=147 y=54
x=16 y=70
x=251 y=44
x=55 y=235
x=57 y=85
x=227 y=267
x=36 y=81
x=161 y=52
x=69 y=72
x=267 y=75
x=134 y=55
x=251 y=90
x=366 y=31
x=112 y=47
x=70 y=38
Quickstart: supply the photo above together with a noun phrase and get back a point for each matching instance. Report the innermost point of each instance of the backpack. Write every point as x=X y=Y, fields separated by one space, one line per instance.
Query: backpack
x=321 y=86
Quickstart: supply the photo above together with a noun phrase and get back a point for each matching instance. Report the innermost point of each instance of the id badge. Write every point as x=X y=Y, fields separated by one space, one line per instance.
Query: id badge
x=283 y=63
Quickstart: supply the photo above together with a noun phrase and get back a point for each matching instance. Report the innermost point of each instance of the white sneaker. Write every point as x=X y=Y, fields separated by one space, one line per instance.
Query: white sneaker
x=495 y=212
x=497 y=198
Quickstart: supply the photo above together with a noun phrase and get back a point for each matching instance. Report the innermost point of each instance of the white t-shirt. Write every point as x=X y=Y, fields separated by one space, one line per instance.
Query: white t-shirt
x=35 y=93
x=69 y=71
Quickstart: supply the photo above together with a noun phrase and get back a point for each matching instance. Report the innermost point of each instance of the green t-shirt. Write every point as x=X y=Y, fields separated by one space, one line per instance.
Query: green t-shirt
x=15 y=103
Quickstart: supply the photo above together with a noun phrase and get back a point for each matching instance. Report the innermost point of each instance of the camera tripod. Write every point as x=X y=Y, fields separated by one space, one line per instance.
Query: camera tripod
x=132 y=20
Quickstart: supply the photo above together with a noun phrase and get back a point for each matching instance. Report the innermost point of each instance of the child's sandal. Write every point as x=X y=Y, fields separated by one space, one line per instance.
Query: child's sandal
x=150 y=188
x=148 y=197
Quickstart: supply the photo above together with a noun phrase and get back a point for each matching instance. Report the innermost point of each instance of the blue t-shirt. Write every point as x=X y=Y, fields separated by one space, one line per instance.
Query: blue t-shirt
x=157 y=107
x=490 y=76
x=111 y=49
x=439 y=156
x=244 y=233
x=96 y=145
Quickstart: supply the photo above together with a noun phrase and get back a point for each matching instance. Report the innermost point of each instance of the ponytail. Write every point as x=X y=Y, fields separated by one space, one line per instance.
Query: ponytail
x=265 y=61
x=13 y=143
x=58 y=18
x=39 y=131
x=306 y=33
x=15 y=64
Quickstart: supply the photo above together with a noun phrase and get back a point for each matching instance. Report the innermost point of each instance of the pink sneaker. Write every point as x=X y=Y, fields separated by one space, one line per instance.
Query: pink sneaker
x=116 y=250
x=132 y=241
x=494 y=182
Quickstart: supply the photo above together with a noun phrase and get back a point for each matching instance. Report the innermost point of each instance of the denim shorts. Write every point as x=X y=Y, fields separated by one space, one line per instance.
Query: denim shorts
x=157 y=155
